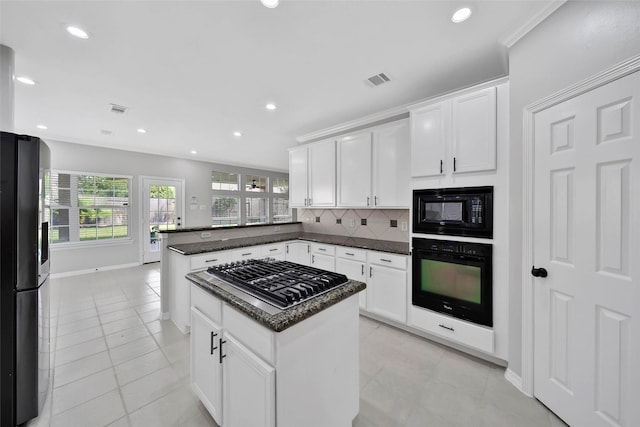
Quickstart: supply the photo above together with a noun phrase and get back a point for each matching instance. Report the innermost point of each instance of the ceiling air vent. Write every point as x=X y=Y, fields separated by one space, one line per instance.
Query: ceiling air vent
x=106 y=132
x=118 y=109
x=378 y=79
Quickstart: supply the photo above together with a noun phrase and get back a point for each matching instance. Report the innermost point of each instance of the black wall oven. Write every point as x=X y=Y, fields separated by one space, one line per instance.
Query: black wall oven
x=463 y=211
x=454 y=278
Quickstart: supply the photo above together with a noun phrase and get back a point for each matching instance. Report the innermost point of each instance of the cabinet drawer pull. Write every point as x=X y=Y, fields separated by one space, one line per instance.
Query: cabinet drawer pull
x=222 y=356
x=322 y=249
x=447 y=327
x=213 y=334
x=349 y=253
x=385 y=260
x=273 y=250
x=211 y=260
x=247 y=254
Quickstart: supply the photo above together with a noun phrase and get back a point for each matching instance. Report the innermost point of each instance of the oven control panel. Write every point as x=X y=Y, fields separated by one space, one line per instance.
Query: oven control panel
x=447 y=246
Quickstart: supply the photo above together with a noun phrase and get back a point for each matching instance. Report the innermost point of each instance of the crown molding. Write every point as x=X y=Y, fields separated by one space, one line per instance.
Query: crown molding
x=511 y=39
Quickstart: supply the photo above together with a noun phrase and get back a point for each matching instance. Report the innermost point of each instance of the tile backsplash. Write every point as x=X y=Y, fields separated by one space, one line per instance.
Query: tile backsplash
x=383 y=224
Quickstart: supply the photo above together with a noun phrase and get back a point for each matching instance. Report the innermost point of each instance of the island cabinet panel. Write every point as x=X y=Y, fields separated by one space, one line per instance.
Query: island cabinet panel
x=306 y=375
x=206 y=371
x=249 y=387
x=298 y=252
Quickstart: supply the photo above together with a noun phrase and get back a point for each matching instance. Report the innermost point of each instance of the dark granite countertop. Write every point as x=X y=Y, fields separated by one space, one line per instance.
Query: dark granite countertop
x=231 y=227
x=283 y=319
x=352 y=242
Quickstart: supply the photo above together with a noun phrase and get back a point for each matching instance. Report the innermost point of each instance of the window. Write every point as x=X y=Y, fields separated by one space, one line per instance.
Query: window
x=225 y=181
x=249 y=199
x=88 y=207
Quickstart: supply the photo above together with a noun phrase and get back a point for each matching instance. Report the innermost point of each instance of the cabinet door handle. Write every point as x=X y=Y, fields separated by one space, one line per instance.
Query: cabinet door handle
x=454 y=164
x=308 y=248
x=310 y=202
x=367 y=200
x=222 y=356
x=375 y=200
x=287 y=248
x=362 y=269
x=213 y=334
x=370 y=271
x=441 y=165
x=211 y=260
x=313 y=259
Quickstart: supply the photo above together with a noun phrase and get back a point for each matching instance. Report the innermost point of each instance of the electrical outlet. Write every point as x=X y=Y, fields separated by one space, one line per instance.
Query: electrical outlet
x=403 y=225
x=205 y=234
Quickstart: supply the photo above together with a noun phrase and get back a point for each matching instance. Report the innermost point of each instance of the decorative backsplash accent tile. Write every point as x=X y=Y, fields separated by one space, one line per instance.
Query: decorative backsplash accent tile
x=366 y=223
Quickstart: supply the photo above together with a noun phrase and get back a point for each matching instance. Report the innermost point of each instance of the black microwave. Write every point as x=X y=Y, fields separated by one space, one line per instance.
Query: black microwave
x=462 y=211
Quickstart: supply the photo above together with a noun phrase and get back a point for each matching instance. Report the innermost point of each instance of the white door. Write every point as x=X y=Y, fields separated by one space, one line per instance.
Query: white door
x=586 y=228
x=206 y=370
x=249 y=387
x=162 y=200
x=354 y=170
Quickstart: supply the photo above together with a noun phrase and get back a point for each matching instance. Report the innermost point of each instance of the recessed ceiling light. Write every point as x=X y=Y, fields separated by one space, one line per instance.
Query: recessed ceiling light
x=194 y=152
x=77 y=32
x=270 y=106
x=43 y=127
x=25 y=80
x=270 y=3
x=461 y=15
x=236 y=133
x=142 y=130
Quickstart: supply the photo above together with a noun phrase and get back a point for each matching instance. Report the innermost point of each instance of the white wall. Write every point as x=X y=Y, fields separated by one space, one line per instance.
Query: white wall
x=85 y=158
x=579 y=40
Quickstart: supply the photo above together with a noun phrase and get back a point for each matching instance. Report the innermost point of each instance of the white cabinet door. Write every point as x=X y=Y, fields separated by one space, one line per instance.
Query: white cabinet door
x=391 y=176
x=354 y=170
x=205 y=366
x=249 y=387
x=474 y=131
x=387 y=292
x=298 y=252
x=322 y=174
x=354 y=270
x=429 y=136
x=323 y=262
x=298 y=172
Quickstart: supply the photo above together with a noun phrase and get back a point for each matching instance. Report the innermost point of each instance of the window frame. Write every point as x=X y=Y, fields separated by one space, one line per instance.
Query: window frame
x=74 y=209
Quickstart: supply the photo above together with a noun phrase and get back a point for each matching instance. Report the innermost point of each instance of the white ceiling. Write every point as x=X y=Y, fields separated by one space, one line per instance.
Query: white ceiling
x=193 y=72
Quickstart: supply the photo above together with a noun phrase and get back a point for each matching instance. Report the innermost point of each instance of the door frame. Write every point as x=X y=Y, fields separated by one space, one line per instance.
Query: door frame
x=141 y=180
x=609 y=75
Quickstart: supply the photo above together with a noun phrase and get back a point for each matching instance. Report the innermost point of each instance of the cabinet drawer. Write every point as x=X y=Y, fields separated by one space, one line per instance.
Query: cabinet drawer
x=198 y=262
x=388 y=260
x=245 y=253
x=350 y=253
x=318 y=248
x=208 y=304
x=271 y=250
x=250 y=333
x=453 y=329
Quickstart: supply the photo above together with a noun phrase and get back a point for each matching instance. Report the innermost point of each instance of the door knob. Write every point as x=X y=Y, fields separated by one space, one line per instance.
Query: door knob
x=539 y=272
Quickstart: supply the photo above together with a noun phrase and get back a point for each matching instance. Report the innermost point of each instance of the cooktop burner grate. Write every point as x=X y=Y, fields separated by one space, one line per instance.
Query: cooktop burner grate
x=280 y=283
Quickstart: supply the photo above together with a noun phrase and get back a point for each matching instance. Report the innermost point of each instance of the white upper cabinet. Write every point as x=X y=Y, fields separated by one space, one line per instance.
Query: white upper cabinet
x=373 y=167
x=455 y=135
x=474 y=131
x=312 y=175
x=391 y=176
x=354 y=170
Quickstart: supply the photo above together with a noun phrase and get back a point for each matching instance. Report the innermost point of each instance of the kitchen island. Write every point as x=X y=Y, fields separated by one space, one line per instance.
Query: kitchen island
x=253 y=364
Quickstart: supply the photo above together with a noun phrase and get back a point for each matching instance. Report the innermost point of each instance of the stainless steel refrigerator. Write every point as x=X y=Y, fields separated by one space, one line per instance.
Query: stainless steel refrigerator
x=24 y=274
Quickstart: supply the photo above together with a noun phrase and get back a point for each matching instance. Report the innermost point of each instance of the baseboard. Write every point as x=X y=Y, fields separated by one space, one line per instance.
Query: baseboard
x=94 y=270
x=515 y=380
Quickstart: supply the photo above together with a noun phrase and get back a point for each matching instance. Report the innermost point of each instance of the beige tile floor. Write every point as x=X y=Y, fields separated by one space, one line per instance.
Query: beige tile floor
x=115 y=364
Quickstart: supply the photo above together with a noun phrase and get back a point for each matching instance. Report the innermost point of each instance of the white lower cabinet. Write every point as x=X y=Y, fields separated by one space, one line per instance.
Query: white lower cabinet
x=234 y=364
x=298 y=252
x=206 y=372
x=248 y=387
x=387 y=286
x=353 y=264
